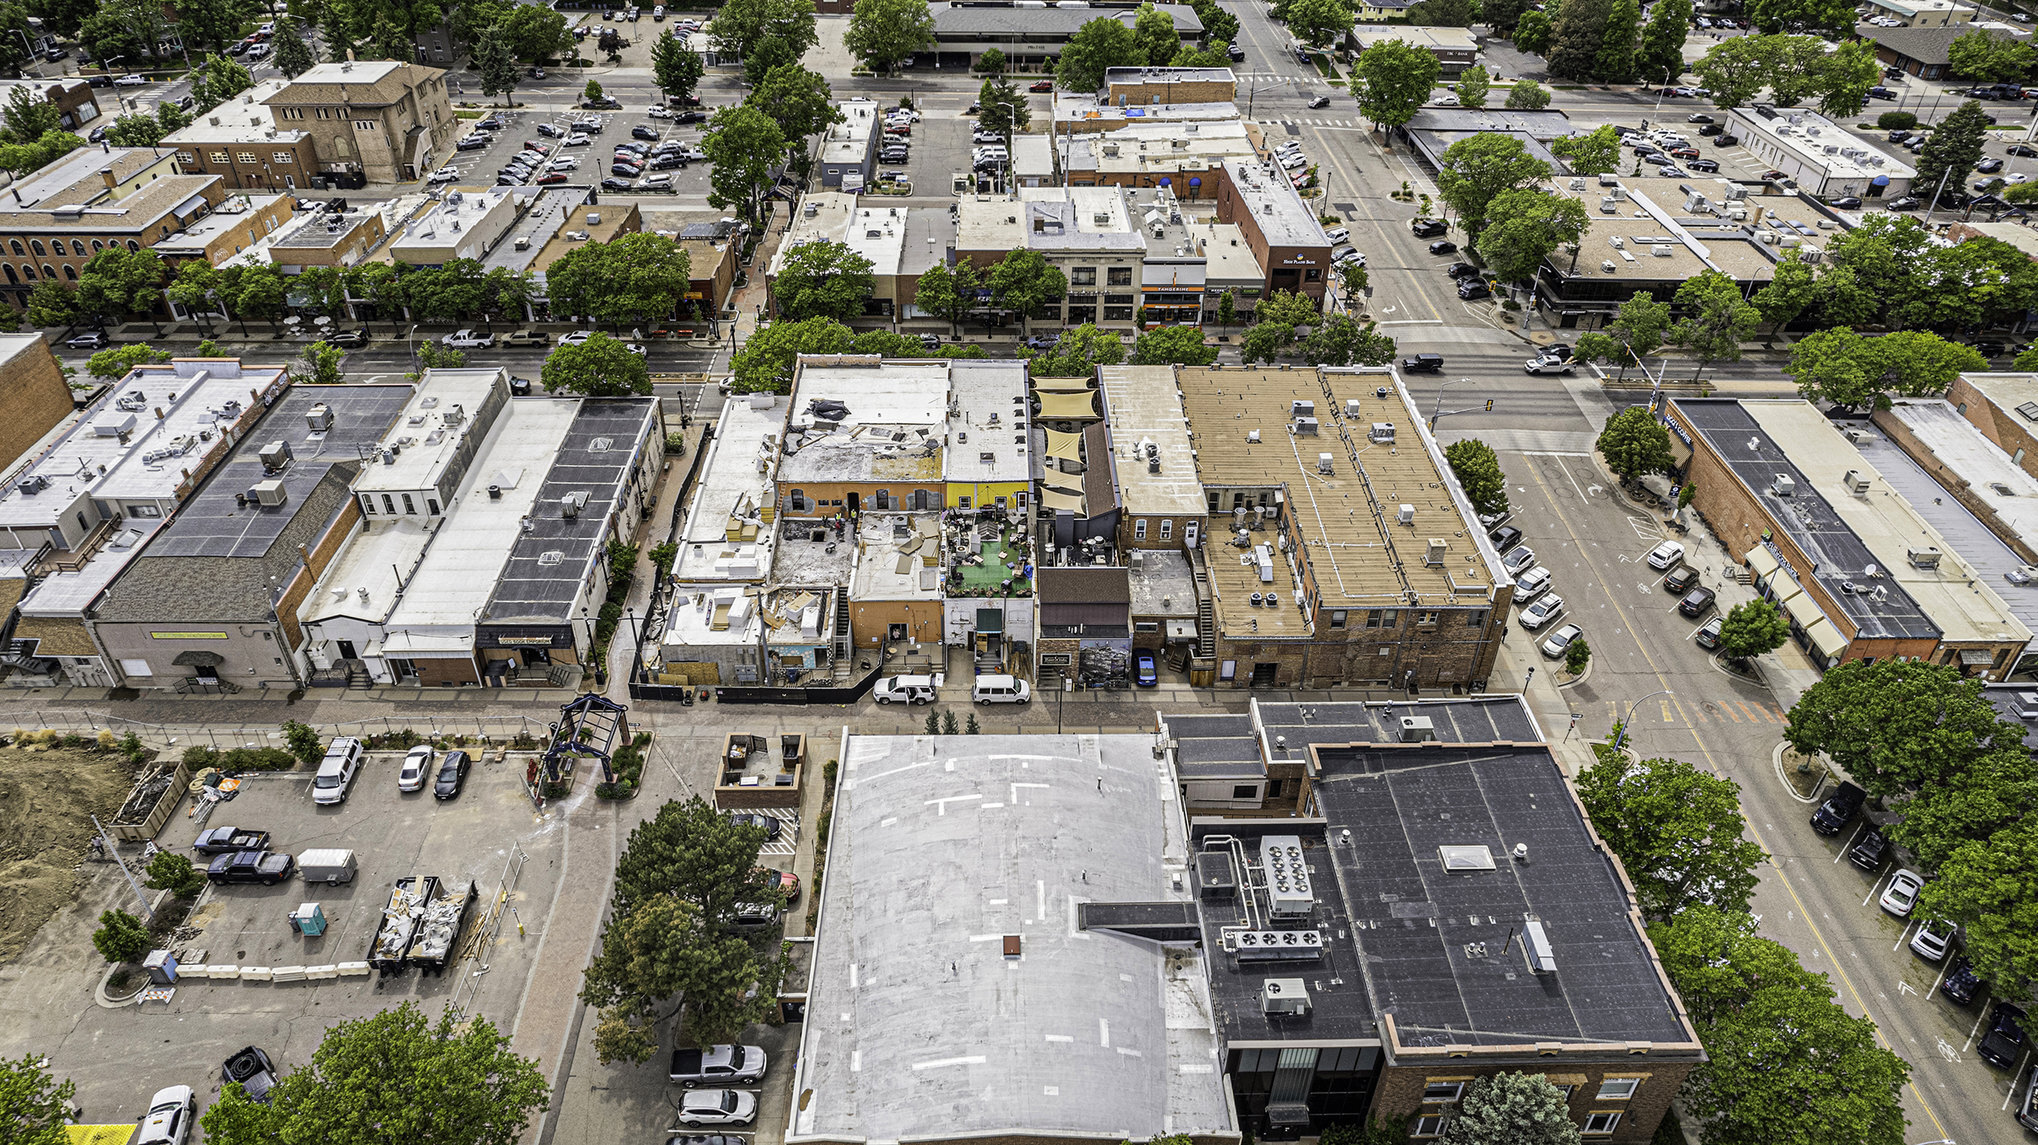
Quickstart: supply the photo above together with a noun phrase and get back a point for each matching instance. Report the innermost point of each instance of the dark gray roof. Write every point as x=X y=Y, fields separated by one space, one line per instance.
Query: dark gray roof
x=1215 y=746
x=222 y=559
x=1925 y=45
x=548 y=565
x=1046 y=24
x=2017 y=703
x=1839 y=556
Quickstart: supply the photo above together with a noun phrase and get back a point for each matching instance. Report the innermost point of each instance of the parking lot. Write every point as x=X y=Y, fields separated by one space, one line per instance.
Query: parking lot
x=478 y=168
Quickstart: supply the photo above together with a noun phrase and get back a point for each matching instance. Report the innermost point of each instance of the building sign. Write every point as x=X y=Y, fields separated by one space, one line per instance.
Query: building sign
x=187 y=636
x=534 y=637
x=1679 y=431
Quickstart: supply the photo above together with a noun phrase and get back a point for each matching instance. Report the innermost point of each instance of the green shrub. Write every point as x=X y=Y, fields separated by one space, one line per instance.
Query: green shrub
x=1896 y=120
x=172 y=872
x=121 y=937
x=198 y=757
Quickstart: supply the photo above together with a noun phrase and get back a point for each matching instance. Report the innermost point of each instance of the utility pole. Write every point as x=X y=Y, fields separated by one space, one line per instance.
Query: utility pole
x=106 y=841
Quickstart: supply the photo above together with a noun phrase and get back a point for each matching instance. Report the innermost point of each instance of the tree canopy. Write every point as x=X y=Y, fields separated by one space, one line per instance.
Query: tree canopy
x=1677 y=829
x=1476 y=169
x=601 y=367
x=1477 y=468
x=883 y=32
x=1104 y=42
x=765 y=363
x=1393 y=80
x=34 y=1107
x=632 y=278
x=1839 y=366
x=1634 y=443
x=822 y=279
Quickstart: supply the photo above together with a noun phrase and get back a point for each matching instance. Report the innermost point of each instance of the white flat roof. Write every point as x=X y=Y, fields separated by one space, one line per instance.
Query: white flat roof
x=715 y=616
x=890 y=568
x=988 y=422
x=429 y=433
x=847 y=140
x=733 y=484
x=878 y=234
x=194 y=395
x=889 y=405
x=1806 y=134
x=1144 y=406
x=1284 y=219
x=822 y=217
x=71 y=593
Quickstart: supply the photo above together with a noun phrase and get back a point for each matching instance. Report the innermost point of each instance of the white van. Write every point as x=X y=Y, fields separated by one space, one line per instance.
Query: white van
x=329 y=865
x=337 y=770
x=1531 y=584
x=999 y=689
x=907 y=689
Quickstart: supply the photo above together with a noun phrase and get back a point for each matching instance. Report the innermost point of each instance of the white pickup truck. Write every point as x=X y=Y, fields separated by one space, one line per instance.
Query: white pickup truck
x=467 y=340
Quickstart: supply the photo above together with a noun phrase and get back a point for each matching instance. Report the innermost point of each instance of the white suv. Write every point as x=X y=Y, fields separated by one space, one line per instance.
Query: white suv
x=337 y=770
x=169 y=1117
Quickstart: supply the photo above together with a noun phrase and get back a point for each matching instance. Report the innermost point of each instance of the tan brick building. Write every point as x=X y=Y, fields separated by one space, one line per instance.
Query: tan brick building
x=240 y=142
x=1136 y=87
x=370 y=121
x=1281 y=229
x=33 y=394
x=77 y=101
x=238 y=223
x=55 y=220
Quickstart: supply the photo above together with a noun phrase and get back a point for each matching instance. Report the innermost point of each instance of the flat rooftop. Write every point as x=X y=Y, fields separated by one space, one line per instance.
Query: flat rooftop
x=200 y=399
x=878 y=233
x=546 y=217
x=431 y=432
x=549 y=565
x=848 y=141
x=988 y=426
x=1157 y=147
x=192 y=241
x=1360 y=552
x=1083 y=108
x=2009 y=391
x=1805 y=134
x=972 y=999
x=245 y=118
x=898 y=557
x=735 y=485
x=1283 y=218
x=895 y=415
x=1088 y=219
x=1168 y=75
x=1143 y=406
x=1460 y=39
x=1749 y=447
x=1054 y=24
x=71 y=593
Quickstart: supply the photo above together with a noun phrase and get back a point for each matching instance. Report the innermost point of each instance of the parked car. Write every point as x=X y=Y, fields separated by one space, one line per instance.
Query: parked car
x=1429 y=228
x=1473 y=289
x=1505 y=537
x=575 y=337
x=1462 y=270
x=168 y=1121
x=1041 y=85
x=1904 y=203
x=1839 y=809
x=527 y=338
x=1708 y=634
x=1933 y=940
x=230 y=840
x=265 y=867
x=1423 y=364
x=1902 y=893
x=717 y=1107
x=1845 y=203
x=1708 y=166
x=1443 y=246
x=253 y=1070
x=2027 y=1106
x=1665 y=555
x=94 y=340
x=612 y=183
x=1542 y=611
x=337 y=770
x=1517 y=559
x=349 y=339
x=1561 y=640
x=131 y=80
x=1870 y=848
x=472 y=143
x=1680 y=578
x=1697 y=602
x=452 y=775
x=739 y=1065
x=442 y=175
x=467 y=340
x=1961 y=984
x=2022 y=150
x=905 y=689
x=2005 y=1041
x=1145 y=672
x=769 y=823
x=644 y=131
x=1698 y=117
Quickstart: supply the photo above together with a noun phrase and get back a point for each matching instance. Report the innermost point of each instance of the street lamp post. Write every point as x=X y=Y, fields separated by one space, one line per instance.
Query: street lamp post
x=1620 y=737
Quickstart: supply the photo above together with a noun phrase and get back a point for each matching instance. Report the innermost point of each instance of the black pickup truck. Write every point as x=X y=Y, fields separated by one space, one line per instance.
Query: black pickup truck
x=228 y=840
x=265 y=867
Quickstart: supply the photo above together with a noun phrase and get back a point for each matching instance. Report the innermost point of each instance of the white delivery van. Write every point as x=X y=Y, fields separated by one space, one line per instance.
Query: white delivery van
x=329 y=865
x=907 y=689
x=998 y=689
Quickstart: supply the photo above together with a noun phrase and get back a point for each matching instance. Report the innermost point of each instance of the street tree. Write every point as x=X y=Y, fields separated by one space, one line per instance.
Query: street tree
x=1952 y=150
x=195 y=288
x=22 y=158
x=1896 y=724
x=52 y=304
x=1634 y=443
x=1319 y=22
x=1577 y=655
x=28 y=116
x=1265 y=341
x=1523 y=227
x=1342 y=340
x=116 y=362
x=304 y=742
x=215 y=24
x=1002 y=107
x=1078 y=352
x=1990 y=888
x=1287 y=307
x=990 y=63
x=534 y=32
x=1839 y=366
x=592 y=92
x=1512 y=1109
x=318 y=364
x=822 y=279
x=256 y=292
x=1154 y=36
x=1477 y=469
x=883 y=32
x=948 y=291
x=64 y=17
x=801 y=104
x=120 y=283
x=765 y=363
x=499 y=72
x=1502 y=15
x=601 y=367
x=291 y=55
x=393 y=1074
x=1717 y=319
x=1227 y=309
x=1615 y=62
x=886 y=344
x=134 y=129
x=1527 y=95
x=1659 y=58
x=34 y=1107
x=1844 y=77
x=1577 y=34
x=1023 y=282
x=630 y=279
x=1597 y=152
x=1477 y=168
x=1736 y=69
x=1393 y=80
x=1473 y=85
x=746 y=146
x=1353 y=282
x=1990 y=793
x=1173 y=345
x=741 y=26
x=121 y=937
x=1988 y=58
x=1104 y=42
x=1679 y=831
x=217 y=79
x=1533 y=32
x=1752 y=628
x=676 y=67
x=1788 y=294
x=1719 y=964
x=1219 y=25
x=430 y=356
x=172 y=872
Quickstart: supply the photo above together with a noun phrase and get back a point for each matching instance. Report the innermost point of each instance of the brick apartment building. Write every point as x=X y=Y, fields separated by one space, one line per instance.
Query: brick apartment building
x=370 y=121
x=240 y=142
x=1280 y=228
x=53 y=221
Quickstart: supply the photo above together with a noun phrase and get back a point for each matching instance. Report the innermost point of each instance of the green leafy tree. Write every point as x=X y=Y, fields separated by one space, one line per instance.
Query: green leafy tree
x=632 y=278
x=1154 y=36
x=1219 y=25
x=1524 y=227
x=746 y=146
x=499 y=72
x=1737 y=68
x=1445 y=13
x=822 y=279
x=1794 y=1065
x=1597 y=152
x=34 y=1107
x=1678 y=830
x=22 y=158
x=1477 y=469
x=28 y=115
x=676 y=67
x=116 y=362
x=1078 y=352
x=1534 y=32
x=121 y=937
x=765 y=363
x=1717 y=319
x=318 y=364
x=430 y=355
x=1393 y=80
x=948 y=291
x=991 y=63
x=1512 y=1109
x=742 y=25
x=304 y=742
x=1023 y=282
x=1616 y=61
x=1002 y=107
x=1477 y=168
x=214 y=23
x=533 y=32
x=195 y=288
x=1502 y=15
x=450 y=1082
x=1287 y=307
x=172 y=117
x=52 y=304
x=1527 y=95
x=217 y=79
x=611 y=44
x=1844 y=77
x=1179 y=345
x=1835 y=17
x=1985 y=57
x=1577 y=655
x=1634 y=443
x=1352 y=282
x=1227 y=309
x=1319 y=22
x=1473 y=85
x=120 y=283
x=170 y=871
x=1839 y=366
x=1577 y=33
x=1660 y=56
x=1952 y=150
x=1105 y=42
x=64 y=17
x=1985 y=795
x=1342 y=340
x=601 y=367
x=135 y=129
x=1788 y=294
x=1895 y=724
x=1752 y=628
x=801 y=104
x=1265 y=341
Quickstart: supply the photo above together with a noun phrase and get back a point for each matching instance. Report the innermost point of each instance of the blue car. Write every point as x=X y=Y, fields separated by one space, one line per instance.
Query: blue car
x=1144 y=672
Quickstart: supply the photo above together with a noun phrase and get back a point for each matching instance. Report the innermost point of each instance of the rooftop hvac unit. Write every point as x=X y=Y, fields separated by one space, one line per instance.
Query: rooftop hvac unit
x=1287 y=875
x=1610 y=205
x=1301 y=408
x=1738 y=214
x=1434 y=554
x=267 y=493
x=113 y=426
x=1417 y=729
x=32 y=485
x=1285 y=998
x=1353 y=407
x=1766 y=238
x=1275 y=945
x=1542 y=957
x=1660 y=250
x=275 y=456
x=1812 y=254
x=1783 y=486
x=1791 y=242
x=1323 y=463
x=1860 y=436
x=1616 y=242
x=1607 y=266
x=1926 y=557
x=1855 y=481
x=1406 y=514
x=319 y=417
x=1303 y=427
x=1252 y=437
x=1382 y=433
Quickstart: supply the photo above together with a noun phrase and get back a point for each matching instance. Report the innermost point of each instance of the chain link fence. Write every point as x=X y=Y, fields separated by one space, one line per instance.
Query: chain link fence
x=223 y=736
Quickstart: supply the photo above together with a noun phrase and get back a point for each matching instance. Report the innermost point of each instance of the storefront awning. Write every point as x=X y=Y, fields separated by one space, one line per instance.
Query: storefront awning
x=1804 y=610
x=1761 y=562
x=1068 y=407
x=1785 y=589
x=1067 y=446
x=1826 y=638
x=198 y=659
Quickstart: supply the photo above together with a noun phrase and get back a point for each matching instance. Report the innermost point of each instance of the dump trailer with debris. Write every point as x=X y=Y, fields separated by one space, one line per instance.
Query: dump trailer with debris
x=439 y=930
x=154 y=798
x=389 y=950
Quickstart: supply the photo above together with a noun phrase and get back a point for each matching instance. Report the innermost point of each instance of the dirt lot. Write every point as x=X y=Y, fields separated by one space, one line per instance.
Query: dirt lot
x=46 y=795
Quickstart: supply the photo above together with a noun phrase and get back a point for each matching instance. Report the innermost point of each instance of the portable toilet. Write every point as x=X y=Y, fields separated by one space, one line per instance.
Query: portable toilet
x=309 y=919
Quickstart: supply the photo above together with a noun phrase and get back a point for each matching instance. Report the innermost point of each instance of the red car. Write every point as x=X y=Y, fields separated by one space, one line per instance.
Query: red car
x=1684 y=152
x=785 y=879
x=549 y=178
x=1042 y=85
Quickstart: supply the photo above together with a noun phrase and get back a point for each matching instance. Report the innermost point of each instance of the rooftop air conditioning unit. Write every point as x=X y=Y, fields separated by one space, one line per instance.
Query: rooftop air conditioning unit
x=1353 y=407
x=267 y=493
x=275 y=456
x=319 y=418
x=1301 y=408
x=1323 y=463
x=1434 y=554
x=1660 y=250
x=1855 y=481
x=1925 y=557
x=1303 y=427
x=1607 y=266
x=1382 y=433
x=1285 y=998
x=1766 y=238
x=1617 y=242
x=1405 y=514
x=1783 y=486
x=1609 y=205
x=1417 y=729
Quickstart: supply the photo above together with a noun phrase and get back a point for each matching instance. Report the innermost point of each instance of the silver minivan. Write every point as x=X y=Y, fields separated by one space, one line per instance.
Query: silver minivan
x=337 y=770
x=1000 y=689
x=1531 y=584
